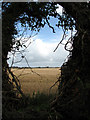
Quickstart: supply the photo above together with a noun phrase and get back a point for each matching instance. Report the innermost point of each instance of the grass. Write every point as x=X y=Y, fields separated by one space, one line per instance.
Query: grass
x=37 y=79
x=37 y=108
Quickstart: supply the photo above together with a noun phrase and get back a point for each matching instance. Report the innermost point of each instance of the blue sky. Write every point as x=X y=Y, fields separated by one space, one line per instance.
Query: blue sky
x=47 y=35
x=40 y=52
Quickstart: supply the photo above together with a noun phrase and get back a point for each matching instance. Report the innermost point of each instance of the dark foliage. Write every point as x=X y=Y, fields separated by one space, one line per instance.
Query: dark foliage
x=73 y=100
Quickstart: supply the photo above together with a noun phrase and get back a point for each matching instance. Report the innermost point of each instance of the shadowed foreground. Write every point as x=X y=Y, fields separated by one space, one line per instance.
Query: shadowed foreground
x=36 y=107
x=36 y=84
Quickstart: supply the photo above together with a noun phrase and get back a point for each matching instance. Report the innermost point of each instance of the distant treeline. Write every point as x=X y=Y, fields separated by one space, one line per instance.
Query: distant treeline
x=33 y=67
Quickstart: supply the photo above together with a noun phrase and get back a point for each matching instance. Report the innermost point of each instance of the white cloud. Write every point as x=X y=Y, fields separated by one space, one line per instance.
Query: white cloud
x=41 y=53
x=42 y=48
x=59 y=9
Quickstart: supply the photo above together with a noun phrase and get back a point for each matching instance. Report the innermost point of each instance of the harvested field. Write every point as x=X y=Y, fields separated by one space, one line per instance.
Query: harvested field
x=38 y=79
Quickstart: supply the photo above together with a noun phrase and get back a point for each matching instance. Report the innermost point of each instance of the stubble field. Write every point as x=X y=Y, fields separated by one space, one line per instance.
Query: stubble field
x=38 y=80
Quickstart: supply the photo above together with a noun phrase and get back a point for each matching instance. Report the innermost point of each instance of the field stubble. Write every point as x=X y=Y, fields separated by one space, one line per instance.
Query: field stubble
x=38 y=80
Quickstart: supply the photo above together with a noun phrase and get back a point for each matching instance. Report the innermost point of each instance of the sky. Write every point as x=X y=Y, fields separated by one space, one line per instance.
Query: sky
x=40 y=51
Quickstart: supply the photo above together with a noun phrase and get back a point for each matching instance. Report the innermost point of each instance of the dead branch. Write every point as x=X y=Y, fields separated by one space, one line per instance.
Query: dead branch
x=16 y=83
x=64 y=36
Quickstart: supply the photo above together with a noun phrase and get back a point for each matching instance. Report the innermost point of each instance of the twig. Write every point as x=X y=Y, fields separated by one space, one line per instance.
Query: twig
x=53 y=85
x=50 y=25
x=60 y=41
x=29 y=65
